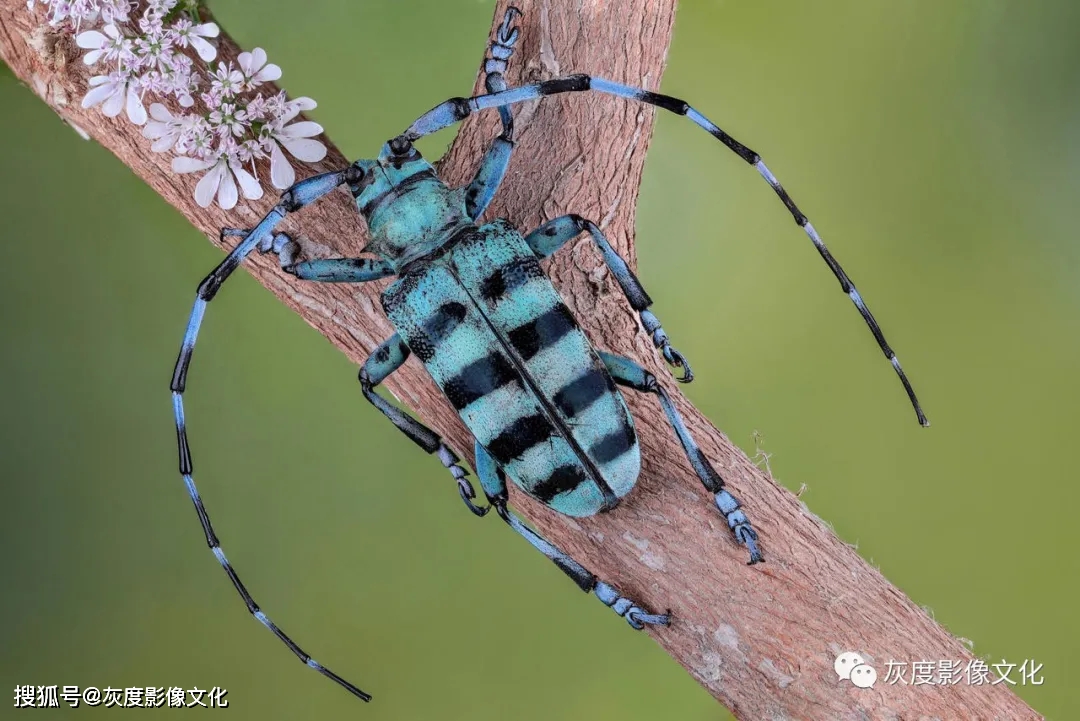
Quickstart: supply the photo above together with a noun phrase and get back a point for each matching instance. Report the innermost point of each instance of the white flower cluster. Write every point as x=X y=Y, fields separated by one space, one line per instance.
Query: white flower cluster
x=146 y=56
x=74 y=12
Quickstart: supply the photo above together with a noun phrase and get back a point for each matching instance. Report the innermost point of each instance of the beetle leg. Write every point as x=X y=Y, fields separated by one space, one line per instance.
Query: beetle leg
x=341 y=270
x=386 y=359
x=493 y=480
x=323 y=270
x=482 y=189
x=556 y=233
x=628 y=373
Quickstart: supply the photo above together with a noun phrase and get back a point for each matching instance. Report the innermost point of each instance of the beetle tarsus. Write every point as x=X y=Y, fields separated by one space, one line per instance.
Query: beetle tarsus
x=468 y=493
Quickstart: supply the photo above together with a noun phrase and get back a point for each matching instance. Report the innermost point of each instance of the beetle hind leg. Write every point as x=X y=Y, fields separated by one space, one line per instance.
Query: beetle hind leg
x=494 y=482
x=628 y=373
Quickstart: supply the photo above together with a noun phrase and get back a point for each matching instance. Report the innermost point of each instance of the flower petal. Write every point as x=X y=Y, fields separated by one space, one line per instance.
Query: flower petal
x=97 y=94
x=184 y=164
x=244 y=61
x=249 y=184
x=91 y=40
x=303 y=129
x=208 y=186
x=160 y=112
x=310 y=151
x=206 y=30
x=205 y=50
x=135 y=111
x=226 y=195
x=282 y=174
x=251 y=62
x=295 y=107
x=269 y=73
x=165 y=142
x=115 y=103
x=92 y=57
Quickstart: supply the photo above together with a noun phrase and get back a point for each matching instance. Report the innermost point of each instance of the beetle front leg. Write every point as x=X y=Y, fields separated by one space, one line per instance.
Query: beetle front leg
x=554 y=234
x=493 y=167
x=386 y=359
x=493 y=480
x=628 y=373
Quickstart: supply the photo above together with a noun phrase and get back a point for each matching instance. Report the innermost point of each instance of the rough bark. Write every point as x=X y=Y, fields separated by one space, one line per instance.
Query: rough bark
x=761 y=639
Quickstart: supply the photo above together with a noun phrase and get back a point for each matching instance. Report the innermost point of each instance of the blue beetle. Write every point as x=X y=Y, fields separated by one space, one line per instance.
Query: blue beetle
x=472 y=303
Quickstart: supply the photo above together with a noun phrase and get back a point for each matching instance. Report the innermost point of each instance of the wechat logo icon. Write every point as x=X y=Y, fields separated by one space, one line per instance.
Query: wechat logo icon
x=850 y=666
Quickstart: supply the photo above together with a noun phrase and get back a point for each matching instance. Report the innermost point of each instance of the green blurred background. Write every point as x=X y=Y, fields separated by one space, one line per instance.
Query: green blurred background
x=934 y=144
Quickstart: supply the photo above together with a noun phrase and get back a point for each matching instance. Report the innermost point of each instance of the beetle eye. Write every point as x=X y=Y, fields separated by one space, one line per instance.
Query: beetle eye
x=400 y=145
x=358 y=179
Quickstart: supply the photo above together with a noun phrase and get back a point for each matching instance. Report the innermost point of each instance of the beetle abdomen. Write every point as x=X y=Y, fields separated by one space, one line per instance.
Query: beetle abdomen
x=499 y=341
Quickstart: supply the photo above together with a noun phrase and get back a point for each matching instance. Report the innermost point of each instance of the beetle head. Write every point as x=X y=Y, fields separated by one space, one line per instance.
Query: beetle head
x=409 y=211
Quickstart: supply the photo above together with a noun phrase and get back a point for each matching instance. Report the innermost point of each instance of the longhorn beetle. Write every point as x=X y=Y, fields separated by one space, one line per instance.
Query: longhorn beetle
x=475 y=307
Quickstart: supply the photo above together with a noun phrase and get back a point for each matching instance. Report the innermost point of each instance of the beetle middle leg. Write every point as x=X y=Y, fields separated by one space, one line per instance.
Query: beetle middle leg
x=628 y=373
x=386 y=359
x=494 y=482
x=324 y=270
x=556 y=233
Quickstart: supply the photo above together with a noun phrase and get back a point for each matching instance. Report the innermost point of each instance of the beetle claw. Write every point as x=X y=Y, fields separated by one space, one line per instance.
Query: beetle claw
x=677 y=360
x=468 y=493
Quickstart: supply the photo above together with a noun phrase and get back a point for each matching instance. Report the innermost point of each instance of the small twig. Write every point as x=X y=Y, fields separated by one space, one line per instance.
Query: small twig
x=762 y=640
x=761 y=458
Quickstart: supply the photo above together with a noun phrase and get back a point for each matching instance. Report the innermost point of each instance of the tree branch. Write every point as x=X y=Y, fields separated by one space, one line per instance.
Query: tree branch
x=762 y=640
